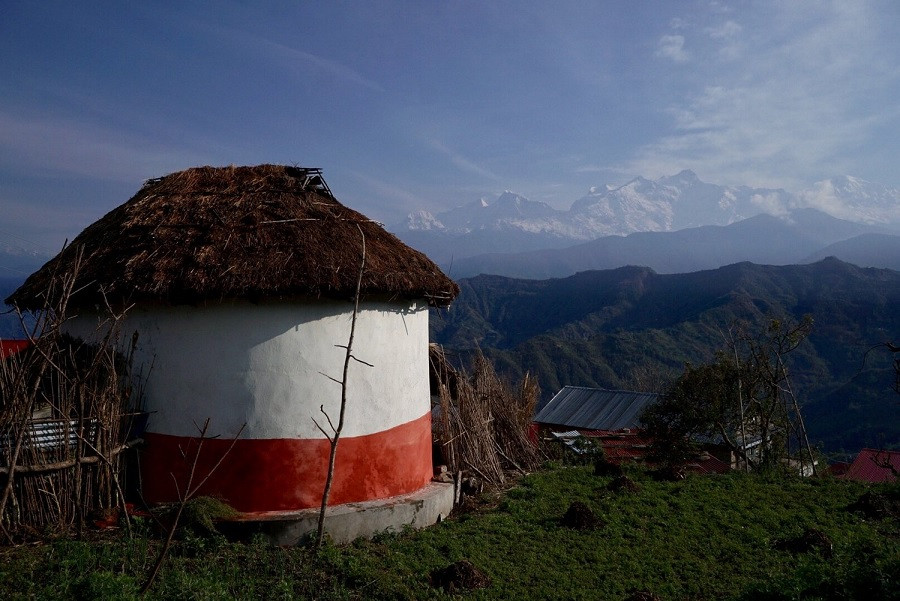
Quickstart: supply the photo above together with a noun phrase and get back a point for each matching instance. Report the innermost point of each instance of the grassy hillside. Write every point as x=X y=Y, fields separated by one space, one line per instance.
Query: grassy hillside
x=633 y=328
x=726 y=537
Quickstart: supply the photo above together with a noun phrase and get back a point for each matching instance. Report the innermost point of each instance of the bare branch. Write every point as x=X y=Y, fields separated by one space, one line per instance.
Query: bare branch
x=361 y=361
x=330 y=425
x=189 y=492
x=322 y=430
x=335 y=380
x=320 y=534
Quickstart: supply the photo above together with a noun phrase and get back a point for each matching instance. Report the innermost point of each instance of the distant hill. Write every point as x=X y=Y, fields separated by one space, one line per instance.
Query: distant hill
x=763 y=239
x=633 y=328
x=865 y=250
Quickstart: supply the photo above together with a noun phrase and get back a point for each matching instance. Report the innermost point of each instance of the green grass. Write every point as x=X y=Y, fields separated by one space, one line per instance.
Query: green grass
x=701 y=538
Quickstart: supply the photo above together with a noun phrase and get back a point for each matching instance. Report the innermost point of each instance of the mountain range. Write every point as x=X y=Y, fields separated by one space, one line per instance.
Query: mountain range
x=17 y=262
x=633 y=328
x=514 y=223
x=800 y=236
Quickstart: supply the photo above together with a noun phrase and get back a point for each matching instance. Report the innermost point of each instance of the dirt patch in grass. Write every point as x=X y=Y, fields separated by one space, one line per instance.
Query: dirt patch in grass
x=812 y=539
x=581 y=517
x=458 y=577
x=623 y=484
x=878 y=506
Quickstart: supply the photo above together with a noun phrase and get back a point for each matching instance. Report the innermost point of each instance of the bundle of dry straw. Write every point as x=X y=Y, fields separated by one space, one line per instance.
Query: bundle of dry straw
x=483 y=424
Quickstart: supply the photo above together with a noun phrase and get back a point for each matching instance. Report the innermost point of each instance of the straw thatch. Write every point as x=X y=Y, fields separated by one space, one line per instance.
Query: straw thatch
x=208 y=234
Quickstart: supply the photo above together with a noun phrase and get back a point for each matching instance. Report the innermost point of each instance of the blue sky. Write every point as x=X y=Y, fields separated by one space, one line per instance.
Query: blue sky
x=409 y=105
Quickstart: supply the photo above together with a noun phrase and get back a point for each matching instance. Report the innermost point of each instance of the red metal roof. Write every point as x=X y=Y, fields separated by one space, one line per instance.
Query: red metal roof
x=633 y=445
x=869 y=466
x=8 y=347
x=707 y=464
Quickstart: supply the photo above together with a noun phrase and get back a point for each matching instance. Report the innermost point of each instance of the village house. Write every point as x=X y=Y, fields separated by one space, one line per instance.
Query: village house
x=611 y=418
x=874 y=466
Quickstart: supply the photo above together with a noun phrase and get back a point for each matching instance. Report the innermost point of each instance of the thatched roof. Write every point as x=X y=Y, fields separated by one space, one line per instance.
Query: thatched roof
x=208 y=234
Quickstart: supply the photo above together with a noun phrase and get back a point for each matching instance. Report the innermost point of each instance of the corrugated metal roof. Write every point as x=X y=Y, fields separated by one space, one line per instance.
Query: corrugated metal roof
x=595 y=408
x=50 y=434
x=871 y=466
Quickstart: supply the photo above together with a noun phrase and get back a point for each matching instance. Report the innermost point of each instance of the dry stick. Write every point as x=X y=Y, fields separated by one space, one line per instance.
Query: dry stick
x=741 y=417
x=15 y=457
x=42 y=468
x=882 y=459
x=740 y=451
x=320 y=532
x=79 y=454
x=80 y=394
x=505 y=456
x=480 y=473
x=115 y=478
x=181 y=503
x=29 y=401
x=183 y=500
x=790 y=391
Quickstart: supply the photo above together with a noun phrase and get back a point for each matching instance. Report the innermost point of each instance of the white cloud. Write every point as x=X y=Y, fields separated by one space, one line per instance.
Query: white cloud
x=672 y=47
x=822 y=196
x=292 y=58
x=728 y=34
x=462 y=162
x=787 y=110
x=726 y=30
x=770 y=203
x=396 y=194
x=719 y=7
x=57 y=144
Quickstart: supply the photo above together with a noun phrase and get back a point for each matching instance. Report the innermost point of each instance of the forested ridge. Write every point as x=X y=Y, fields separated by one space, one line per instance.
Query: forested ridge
x=633 y=328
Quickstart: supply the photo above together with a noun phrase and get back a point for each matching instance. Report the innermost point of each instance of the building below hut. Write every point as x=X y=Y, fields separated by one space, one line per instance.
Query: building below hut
x=609 y=417
x=874 y=466
x=612 y=419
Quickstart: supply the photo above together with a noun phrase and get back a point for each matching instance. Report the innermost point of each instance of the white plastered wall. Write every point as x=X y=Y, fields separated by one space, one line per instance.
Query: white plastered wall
x=262 y=365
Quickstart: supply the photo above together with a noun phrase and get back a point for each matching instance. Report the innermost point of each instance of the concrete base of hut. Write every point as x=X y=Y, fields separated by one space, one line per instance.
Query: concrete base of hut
x=350 y=521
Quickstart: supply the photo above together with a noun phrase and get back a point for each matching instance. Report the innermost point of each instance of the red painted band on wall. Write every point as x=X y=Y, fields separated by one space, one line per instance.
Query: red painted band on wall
x=285 y=474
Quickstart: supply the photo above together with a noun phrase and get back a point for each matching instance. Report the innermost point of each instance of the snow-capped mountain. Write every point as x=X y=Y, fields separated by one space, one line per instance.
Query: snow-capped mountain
x=17 y=262
x=669 y=203
x=512 y=223
x=423 y=221
x=856 y=199
x=509 y=211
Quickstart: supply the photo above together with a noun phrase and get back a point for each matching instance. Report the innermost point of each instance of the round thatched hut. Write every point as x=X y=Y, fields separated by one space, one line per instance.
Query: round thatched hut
x=239 y=284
